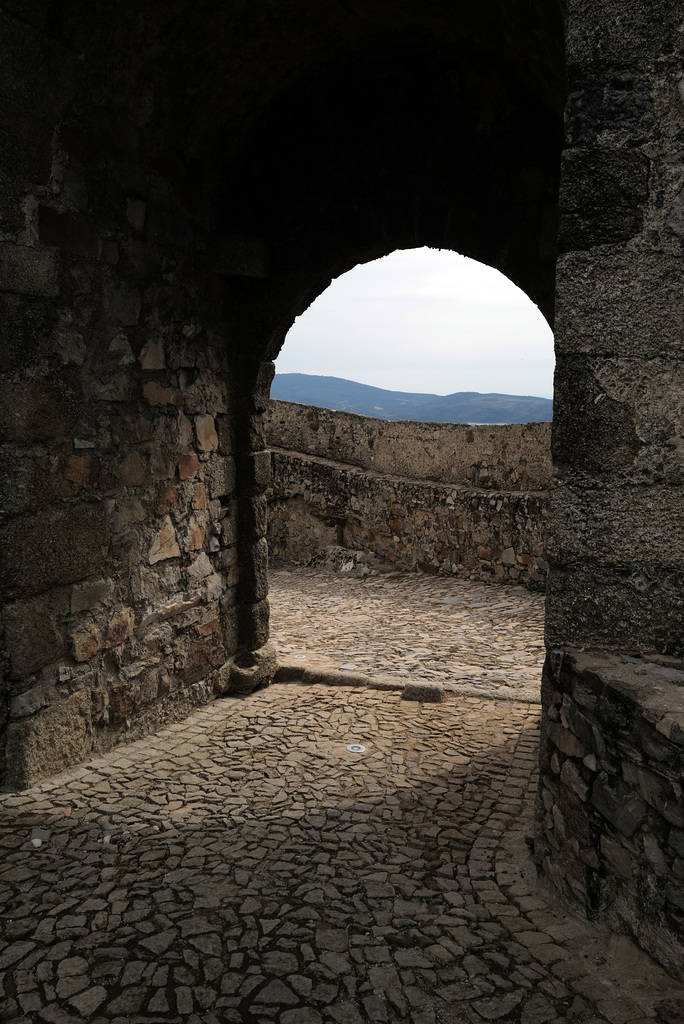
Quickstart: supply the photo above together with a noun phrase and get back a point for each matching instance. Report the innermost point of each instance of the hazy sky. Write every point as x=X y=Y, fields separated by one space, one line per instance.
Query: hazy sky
x=425 y=320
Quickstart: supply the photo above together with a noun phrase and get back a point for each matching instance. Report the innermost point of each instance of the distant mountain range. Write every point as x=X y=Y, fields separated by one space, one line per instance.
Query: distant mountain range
x=461 y=407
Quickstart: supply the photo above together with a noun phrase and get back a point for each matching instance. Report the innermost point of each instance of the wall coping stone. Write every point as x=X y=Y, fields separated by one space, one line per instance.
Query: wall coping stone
x=657 y=691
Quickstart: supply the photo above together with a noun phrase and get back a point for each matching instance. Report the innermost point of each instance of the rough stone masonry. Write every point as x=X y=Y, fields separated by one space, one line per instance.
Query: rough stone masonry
x=177 y=183
x=449 y=498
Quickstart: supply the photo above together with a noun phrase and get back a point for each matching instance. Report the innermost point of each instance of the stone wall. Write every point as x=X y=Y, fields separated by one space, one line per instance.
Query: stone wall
x=611 y=812
x=117 y=520
x=610 y=818
x=617 y=512
x=511 y=457
x=428 y=515
x=117 y=478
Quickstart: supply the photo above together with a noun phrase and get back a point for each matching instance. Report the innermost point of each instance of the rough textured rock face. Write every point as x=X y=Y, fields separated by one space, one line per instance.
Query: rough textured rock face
x=510 y=457
x=610 y=808
x=449 y=498
x=117 y=560
x=610 y=821
x=619 y=421
x=178 y=182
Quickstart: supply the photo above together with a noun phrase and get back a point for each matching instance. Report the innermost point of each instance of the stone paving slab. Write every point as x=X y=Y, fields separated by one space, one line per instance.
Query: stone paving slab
x=244 y=866
x=401 y=627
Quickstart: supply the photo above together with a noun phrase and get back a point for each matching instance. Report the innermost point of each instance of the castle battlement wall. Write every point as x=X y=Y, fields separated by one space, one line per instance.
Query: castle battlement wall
x=505 y=457
x=442 y=497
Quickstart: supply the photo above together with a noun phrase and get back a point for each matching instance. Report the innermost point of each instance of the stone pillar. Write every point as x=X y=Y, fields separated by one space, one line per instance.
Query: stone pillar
x=610 y=813
x=617 y=529
x=247 y=623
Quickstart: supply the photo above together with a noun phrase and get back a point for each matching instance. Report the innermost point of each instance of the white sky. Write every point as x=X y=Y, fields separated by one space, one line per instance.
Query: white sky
x=425 y=320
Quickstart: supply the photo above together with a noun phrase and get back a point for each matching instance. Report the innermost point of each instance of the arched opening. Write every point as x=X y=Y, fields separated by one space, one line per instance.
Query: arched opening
x=447 y=141
x=461 y=502
x=418 y=146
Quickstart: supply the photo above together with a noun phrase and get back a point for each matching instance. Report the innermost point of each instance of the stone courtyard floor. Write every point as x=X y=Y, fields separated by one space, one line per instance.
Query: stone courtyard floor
x=403 y=626
x=245 y=866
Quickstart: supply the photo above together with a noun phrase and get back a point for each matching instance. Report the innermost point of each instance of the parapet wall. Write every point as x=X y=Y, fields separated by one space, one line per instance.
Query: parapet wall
x=451 y=498
x=511 y=457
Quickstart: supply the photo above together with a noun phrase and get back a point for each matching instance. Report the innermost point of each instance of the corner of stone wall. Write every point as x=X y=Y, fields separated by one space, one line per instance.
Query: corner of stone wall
x=610 y=808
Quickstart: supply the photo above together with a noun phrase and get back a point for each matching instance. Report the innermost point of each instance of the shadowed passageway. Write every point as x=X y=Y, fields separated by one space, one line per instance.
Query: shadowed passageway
x=244 y=866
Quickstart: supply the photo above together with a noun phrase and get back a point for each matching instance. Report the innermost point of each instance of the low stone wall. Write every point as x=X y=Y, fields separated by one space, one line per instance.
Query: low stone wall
x=610 y=814
x=448 y=526
x=509 y=457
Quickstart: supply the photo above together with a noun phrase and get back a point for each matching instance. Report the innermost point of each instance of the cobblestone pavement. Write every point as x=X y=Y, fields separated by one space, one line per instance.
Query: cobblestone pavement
x=414 y=627
x=244 y=866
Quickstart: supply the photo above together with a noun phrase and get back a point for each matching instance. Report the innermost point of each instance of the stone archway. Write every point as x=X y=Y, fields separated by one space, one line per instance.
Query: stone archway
x=178 y=184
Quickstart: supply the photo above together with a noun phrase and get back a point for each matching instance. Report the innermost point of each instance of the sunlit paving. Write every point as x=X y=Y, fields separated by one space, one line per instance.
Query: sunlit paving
x=408 y=627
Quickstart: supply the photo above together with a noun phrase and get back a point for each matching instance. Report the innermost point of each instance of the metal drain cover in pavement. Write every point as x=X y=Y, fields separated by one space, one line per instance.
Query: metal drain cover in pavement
x=356 y=748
